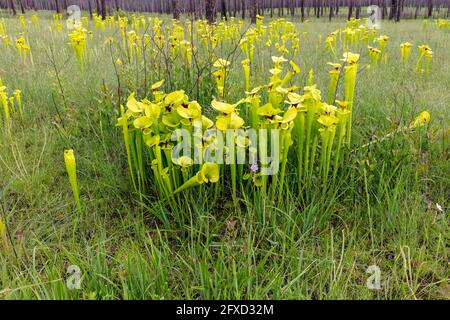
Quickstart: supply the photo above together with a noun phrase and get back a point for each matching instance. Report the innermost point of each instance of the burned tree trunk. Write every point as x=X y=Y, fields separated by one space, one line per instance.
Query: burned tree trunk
x=330 y=8
x=22 y=9
x=394 y=8
x=90 y=9
x=223 y=9
x=12 y=7
x=302 y=9
x=430 y=8
x=175 y=9
x=193 y=9
x=358 y=9
x=57 y=6
x=103 y=4
x=350 y=9
x=210 y=11
x=399 y=10
x=253 y=11
x=417 y=10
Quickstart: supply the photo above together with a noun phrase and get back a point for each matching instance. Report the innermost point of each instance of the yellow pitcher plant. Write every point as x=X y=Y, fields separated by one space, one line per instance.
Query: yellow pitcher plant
x=71 y=167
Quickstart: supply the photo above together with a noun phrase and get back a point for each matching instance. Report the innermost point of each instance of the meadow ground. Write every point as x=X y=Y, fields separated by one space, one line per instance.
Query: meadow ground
x=317 y=246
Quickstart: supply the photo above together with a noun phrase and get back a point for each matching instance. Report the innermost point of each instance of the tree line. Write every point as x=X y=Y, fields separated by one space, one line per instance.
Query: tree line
x=211 y=9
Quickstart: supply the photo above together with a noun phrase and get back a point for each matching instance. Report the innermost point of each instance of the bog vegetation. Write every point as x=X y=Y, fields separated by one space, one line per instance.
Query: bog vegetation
x=353 y=119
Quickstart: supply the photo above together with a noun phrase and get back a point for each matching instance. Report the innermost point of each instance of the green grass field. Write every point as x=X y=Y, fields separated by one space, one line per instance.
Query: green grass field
x=318 y=245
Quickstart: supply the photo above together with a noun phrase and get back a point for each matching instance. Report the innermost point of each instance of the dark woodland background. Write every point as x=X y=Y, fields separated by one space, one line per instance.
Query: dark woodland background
x=211 y=9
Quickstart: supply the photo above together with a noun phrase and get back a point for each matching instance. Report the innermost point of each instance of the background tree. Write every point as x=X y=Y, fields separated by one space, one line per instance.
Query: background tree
x=298 y=9
x=90 y=9
x=12 y=7
x=253 y=10
x=393 y=12
x=223 y=9
x=430 y=8
x=399 y=10
x=103 y=4
x=358 y=9
x=175 y=9
x=57 y=6
x=350 y=9
x=210 y=10
x=22 y=9
x=330 y=10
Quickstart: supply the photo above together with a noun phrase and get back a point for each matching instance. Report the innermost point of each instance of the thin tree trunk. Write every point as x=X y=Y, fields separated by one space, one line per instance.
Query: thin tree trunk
x=90 y=9
x=193 y=9
x=417 y=10
x=12 y=7
x=330 y=7
x=253 y=11
x=302 y=9
x=243 y=9
x=399 y=11
x=430 y=8
x=350 y=9
x=210 y=11
x=103 y=4
x=175 y=9
x=393 y=12
x=223 y=9
x=358 y=9
x=22 y=9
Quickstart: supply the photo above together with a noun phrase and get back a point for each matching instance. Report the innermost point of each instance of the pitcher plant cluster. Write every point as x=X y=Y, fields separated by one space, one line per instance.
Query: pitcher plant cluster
x=234 y=114
x=249 y=146
x=11 y=104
